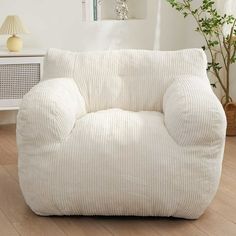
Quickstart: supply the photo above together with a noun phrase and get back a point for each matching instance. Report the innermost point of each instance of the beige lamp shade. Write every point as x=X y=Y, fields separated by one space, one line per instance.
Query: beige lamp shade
x=12 y=26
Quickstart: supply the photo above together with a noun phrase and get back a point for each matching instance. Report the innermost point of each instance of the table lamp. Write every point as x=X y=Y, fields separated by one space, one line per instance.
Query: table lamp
x=13 y=26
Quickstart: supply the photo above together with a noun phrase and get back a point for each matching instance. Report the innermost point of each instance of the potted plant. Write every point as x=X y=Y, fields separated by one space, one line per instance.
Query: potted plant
x=221 y=47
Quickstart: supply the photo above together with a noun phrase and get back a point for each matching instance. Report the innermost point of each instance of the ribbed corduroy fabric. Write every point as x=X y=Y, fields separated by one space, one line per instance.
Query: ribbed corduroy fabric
x=126 y=132
x=133 y=80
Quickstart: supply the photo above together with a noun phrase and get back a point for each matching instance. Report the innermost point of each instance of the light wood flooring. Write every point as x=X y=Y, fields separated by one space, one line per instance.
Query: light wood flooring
x=17 y=219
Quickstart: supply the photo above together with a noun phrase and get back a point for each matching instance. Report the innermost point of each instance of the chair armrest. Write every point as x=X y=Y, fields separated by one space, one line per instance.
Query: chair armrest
x=192 y=113
x=49 y=111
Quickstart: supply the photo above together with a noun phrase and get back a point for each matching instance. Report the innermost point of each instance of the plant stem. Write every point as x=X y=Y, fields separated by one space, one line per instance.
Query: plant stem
x=221 y=51
x=228 y=63
x=211 y=52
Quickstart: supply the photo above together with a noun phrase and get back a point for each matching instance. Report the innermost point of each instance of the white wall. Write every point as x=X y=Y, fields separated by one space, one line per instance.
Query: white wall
x=54 y=23
x=172 y=28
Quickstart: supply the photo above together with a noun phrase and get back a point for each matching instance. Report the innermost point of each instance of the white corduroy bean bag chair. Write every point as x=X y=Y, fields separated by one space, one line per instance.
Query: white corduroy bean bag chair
x=127 y=132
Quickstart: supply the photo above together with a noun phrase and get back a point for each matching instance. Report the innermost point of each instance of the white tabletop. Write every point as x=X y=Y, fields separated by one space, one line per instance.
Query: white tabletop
x=26 y=52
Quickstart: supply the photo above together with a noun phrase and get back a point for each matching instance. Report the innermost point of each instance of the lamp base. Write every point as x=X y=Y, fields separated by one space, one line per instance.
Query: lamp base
x=14 y=44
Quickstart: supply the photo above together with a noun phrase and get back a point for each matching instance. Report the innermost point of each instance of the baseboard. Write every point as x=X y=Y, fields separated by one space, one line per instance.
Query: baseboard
x=8 y=117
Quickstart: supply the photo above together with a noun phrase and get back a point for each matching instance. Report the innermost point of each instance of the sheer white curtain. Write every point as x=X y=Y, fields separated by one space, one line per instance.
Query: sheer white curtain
x=157 y=35
x=228 y=7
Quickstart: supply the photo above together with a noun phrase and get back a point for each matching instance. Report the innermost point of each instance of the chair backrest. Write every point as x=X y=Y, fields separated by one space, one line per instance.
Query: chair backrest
x=134 y=80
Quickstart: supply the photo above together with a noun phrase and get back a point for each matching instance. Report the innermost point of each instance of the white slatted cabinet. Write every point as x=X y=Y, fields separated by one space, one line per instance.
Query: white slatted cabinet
x=19 y=72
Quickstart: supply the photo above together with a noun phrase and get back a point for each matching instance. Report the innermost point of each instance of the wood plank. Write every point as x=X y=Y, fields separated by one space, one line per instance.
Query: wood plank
x=38 y=226
x=6 y=228
x=215 y=224
x=8 y=150
x=231 y=140
x=222 y=205
x=13 y=206
x=12 y=170
x=82 y=226
x=128 y=226
x=176 y=227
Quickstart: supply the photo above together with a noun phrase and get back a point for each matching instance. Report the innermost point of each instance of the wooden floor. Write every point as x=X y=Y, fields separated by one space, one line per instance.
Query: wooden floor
x=17 y=219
